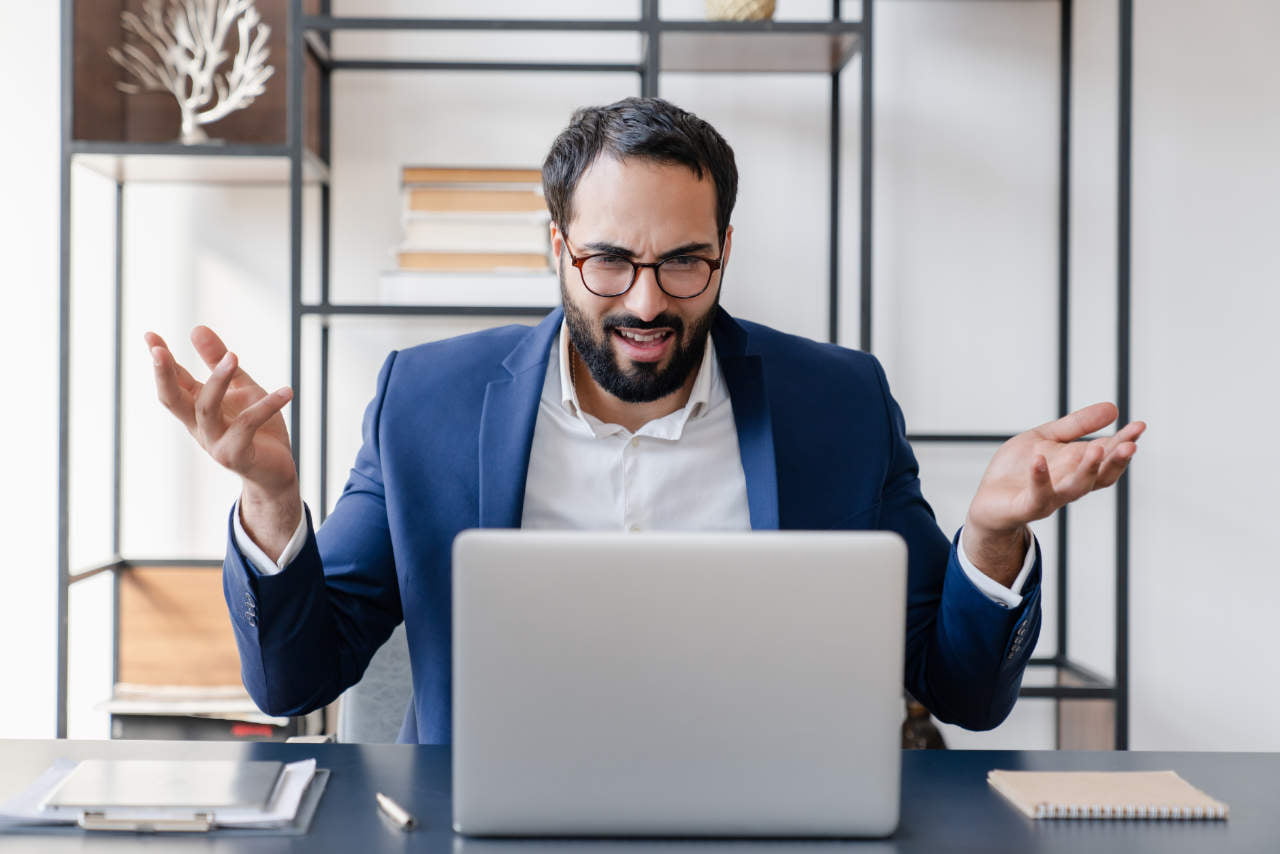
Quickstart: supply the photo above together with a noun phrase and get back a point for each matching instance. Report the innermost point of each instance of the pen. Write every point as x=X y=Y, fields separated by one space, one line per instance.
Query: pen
x=401 y=816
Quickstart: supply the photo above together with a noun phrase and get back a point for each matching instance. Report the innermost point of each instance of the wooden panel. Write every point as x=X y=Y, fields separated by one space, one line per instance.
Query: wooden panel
x=1085 y=724
x=99 y=106
x=101 y=112
x=756 y=51
x=311 y=81
x=174 y=628
x=153 y=116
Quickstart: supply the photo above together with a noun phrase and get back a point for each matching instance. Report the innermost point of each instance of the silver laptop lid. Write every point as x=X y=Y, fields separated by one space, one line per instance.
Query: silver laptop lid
x=677 y=684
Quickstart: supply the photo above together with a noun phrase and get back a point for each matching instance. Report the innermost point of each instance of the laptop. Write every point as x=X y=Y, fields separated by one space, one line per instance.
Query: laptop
x=677 y=684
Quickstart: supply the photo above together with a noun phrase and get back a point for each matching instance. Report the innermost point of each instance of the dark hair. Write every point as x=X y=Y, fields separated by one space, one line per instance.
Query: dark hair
x=638 y=127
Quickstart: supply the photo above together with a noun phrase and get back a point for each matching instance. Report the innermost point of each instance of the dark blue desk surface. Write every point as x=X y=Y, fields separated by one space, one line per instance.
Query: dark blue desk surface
x=946 y=804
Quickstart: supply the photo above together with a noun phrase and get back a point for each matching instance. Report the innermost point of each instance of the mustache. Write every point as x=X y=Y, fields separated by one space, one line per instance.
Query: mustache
x=630 y=321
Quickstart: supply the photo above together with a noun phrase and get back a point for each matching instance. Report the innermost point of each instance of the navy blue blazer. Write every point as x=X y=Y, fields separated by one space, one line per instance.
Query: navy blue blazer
x=446 y=447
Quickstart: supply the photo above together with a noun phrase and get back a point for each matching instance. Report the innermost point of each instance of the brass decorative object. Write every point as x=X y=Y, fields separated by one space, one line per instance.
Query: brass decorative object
x=740 y=10
x=180 y=45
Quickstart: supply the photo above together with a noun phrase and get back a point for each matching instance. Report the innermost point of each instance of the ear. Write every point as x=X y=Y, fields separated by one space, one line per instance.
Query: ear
x=728 y=247
x=557 y=242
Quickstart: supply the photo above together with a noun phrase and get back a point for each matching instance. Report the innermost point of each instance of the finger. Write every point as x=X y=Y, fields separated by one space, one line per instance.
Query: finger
x=160 y=353
x=188 y=382
x=160 y=356
x=1129 y=433
x=208 y=404
x=1041 y=492
x=173 y=394
x=1081 y=480
x=211 y=350
x=208 y=345
x=1080 y=423
x=1115 y=464
x=154 y=343
x=238 y=438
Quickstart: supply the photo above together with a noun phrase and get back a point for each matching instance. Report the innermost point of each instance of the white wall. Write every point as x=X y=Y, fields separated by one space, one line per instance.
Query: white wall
x=965 y=267
x=1206 y=268
x=29 y=353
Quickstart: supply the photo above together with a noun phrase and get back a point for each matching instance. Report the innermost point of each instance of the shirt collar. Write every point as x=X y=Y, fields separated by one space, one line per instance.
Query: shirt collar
x=706 y=384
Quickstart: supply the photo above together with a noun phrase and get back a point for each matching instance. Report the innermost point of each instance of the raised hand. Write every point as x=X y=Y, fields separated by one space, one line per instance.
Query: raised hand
x=240 y=426
x=1035 y=473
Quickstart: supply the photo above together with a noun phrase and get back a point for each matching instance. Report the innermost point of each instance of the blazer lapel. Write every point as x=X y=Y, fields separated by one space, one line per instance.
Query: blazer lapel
x=506 y=426
x=744 y=375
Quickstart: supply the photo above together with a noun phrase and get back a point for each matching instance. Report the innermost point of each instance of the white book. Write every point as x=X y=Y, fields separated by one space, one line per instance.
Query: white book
x=543 y=215
x=411 y=287
x=475 y=234
x=483 y=186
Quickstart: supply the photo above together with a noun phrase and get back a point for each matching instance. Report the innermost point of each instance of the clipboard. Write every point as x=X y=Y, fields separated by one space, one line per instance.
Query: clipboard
x=20 y=814
x=167 y=785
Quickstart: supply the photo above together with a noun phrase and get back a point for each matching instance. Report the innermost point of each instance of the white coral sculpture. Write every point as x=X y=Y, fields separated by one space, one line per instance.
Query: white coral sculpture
x=186 y=40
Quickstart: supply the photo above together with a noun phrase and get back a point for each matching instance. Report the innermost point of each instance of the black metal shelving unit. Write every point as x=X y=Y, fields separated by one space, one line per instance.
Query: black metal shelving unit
x=692 y=46
x=825 y=47
x=1073 y=681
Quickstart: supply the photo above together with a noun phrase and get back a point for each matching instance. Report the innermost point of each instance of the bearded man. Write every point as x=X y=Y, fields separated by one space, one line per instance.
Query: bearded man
x=640 y=405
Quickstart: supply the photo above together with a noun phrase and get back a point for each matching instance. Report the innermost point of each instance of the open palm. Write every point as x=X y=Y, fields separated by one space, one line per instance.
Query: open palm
x=1036 y=472
x=232 y=417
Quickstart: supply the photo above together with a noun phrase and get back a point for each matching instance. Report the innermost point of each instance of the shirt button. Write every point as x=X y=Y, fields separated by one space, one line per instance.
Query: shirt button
x=635 y=441
x=635 y=529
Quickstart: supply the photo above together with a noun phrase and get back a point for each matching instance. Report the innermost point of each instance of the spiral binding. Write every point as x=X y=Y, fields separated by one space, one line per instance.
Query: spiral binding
x=1140 y=811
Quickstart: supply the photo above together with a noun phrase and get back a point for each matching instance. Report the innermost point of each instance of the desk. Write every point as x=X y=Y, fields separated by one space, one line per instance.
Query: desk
x=946 y=806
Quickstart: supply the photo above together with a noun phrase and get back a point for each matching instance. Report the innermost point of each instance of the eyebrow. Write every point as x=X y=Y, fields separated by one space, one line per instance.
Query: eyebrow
x=613 y=249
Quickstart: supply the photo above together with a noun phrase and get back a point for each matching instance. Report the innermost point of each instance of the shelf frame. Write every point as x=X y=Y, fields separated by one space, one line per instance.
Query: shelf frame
x=648 y=21
x=233 y=163
x=311 y=35
x=399 y=310
x=844 y=38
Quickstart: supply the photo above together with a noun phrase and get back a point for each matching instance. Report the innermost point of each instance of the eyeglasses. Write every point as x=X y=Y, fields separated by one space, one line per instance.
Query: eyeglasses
x=608 y=274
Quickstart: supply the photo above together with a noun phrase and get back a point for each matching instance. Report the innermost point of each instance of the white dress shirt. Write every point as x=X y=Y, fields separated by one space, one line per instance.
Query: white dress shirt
x=682 y=471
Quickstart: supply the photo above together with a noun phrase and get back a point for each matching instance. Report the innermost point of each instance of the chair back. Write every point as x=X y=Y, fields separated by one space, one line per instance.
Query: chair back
x=373 y=709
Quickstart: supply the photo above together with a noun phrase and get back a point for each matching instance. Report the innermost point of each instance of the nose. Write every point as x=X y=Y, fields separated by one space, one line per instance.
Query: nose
x=645 y=299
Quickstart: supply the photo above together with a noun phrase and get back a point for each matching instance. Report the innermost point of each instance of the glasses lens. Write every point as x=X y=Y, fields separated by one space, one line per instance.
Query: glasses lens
x=607 y=275
x=684 y=275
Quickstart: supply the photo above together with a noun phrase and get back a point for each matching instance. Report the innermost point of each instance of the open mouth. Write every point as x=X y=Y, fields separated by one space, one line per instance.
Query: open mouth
x=644 y=344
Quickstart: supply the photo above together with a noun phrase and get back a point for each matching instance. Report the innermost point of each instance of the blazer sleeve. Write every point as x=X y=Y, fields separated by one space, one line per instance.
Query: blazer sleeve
x=965 y=654
x=307 y=633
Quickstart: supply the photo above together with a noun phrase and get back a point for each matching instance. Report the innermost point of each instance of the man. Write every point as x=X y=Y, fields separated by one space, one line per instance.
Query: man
x=642 y=405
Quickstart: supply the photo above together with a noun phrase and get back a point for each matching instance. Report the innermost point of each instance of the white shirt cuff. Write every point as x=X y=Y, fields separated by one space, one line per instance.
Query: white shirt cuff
x=256 y=556
x=992 y=589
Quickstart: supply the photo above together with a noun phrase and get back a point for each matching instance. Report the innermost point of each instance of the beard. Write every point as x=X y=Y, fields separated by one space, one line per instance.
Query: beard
x=638 y=382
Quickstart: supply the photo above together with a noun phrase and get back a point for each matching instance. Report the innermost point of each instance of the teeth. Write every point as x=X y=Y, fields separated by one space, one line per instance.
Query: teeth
x=643 y=339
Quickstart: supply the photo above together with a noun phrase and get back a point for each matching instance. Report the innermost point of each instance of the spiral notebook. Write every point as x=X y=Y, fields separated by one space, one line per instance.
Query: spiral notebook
x=1105 y=794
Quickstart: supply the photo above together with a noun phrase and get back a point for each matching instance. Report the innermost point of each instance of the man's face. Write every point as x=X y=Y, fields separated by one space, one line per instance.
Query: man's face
x=643 y=345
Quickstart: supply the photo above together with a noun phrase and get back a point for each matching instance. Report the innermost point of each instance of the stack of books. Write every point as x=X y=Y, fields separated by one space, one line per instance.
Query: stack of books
x=472 y=236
